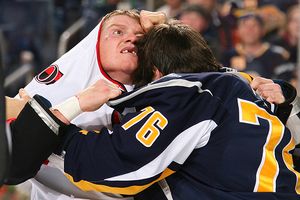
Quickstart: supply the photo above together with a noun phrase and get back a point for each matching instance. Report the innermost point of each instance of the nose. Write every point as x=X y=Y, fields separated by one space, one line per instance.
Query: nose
x=132 y=37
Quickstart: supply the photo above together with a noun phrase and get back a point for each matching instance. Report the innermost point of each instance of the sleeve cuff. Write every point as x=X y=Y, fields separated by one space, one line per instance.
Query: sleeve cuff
x=70 y=108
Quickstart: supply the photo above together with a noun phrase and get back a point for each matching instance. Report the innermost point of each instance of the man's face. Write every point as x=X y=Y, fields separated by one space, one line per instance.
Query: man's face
x=293 y=25
x=250 y=31
x=194 y=20
x=117 y=47
x=207 y=4
x=174 y=3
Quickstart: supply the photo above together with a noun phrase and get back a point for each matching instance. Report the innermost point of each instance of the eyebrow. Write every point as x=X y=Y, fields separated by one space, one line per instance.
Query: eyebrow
x=122 y=26
x=118 y=25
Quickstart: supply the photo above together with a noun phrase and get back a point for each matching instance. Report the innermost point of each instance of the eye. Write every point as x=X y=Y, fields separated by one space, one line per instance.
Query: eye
x=117 y=32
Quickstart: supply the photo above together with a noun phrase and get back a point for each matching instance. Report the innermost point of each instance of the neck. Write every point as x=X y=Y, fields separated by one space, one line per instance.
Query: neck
x=121 y=77
x=252 y=48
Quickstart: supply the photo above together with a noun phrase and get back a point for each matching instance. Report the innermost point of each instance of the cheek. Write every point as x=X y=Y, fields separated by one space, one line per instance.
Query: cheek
x=293 y=27
x=241 y=32
x=258 y=33
x=106 y=56
x=107 y=51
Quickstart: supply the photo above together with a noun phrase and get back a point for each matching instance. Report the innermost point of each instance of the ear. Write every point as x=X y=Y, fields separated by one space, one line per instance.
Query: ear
x=157 y=74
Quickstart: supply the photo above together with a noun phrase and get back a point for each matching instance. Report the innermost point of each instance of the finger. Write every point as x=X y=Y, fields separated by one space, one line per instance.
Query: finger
x=270 y=99
x=113 y=86
x=273 y=97
x=265 y=94
x=157 y=17
x=23 y=94
x=257 y=81
x=269 y=87
x=114 y=93
x=275 y=100
x=266 y=90
x=146 y=24
x=149 y=19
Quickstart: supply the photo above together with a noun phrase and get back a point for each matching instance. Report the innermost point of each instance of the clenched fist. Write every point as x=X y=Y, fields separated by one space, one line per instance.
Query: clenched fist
x=96 y=95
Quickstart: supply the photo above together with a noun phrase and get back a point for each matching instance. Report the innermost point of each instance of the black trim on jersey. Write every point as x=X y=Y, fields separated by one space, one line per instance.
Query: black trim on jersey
x=149 y=193
x=174 y=166
x=157 y=85
x=283 y=110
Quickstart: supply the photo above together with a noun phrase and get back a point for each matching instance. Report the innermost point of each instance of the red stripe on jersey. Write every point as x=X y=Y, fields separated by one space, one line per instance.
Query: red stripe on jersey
x=46 y=162
x=120 y=85
x=115 y=117
x=10 y=120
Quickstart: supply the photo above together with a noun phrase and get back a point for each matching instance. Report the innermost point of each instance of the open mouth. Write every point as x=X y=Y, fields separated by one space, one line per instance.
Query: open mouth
x=131 y=50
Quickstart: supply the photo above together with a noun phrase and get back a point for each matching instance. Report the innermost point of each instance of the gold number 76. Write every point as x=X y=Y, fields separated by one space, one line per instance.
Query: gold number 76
x=150 y=131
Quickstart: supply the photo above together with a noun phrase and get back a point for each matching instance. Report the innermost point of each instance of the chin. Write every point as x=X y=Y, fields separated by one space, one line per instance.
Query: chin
x=129 y=69
x=130 y=66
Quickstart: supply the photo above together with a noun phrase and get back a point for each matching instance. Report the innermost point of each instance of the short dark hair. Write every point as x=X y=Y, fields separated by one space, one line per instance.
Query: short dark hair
x=172 y=48
x=254 y=16
x=199 y=10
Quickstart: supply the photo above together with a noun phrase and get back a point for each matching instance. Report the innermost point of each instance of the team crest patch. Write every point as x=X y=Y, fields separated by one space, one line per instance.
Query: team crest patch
x=49 y=76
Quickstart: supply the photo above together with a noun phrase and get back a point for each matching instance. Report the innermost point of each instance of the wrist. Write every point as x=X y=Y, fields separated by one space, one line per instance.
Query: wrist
x=288 y=91
x=68 y=110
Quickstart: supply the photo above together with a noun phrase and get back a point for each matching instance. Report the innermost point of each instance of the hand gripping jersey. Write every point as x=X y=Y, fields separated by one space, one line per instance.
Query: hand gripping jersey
x=74 y=71
x=208 y=134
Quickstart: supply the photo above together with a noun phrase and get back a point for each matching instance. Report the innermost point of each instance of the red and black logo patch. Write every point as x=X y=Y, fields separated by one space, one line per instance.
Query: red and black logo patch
x=49 y=75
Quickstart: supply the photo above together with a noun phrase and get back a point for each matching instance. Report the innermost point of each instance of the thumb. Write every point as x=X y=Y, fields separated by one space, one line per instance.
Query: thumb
x=114 y=93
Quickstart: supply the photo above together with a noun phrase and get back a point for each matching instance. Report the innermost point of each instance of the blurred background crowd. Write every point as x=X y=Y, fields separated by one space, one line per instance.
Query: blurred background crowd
x=257 y=36
x=260 y=37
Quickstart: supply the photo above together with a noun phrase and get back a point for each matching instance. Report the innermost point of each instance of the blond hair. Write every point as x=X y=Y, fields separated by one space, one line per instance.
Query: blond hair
x=130 y=13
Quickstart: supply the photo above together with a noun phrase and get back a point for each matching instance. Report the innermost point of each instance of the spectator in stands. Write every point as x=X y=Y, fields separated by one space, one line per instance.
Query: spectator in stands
x=220 y=26
x=211 y=7
x=199 y=19
x=289 y=38
x=252 y=54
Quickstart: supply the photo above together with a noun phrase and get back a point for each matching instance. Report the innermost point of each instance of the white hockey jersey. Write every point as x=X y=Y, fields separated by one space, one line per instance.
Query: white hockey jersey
x=74 y=71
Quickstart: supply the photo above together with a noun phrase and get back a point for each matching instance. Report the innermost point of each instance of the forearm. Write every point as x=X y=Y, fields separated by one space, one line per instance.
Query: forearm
x=13 y=107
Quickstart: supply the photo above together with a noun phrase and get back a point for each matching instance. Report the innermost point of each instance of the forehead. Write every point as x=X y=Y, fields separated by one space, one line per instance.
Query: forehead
x=124 y=21
x=191 y=14
x=294 y=13
x=246 y=20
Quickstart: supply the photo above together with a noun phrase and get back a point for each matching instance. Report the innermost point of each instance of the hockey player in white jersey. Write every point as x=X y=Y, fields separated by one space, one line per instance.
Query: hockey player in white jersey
x=108 y=52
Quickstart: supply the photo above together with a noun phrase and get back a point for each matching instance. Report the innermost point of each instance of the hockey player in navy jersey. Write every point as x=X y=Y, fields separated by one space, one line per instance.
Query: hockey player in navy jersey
x=208 y=134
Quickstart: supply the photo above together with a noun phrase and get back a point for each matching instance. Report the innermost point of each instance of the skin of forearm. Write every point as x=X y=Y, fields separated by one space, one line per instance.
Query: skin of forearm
x=14 y=107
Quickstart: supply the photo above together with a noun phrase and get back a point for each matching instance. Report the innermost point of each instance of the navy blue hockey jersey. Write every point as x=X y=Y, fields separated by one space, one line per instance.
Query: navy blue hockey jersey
x=208 y=134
